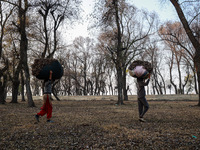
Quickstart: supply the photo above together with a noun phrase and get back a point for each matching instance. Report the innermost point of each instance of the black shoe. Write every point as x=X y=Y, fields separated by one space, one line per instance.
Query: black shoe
x=49 y=121
x=37 y=118
x=142 y=120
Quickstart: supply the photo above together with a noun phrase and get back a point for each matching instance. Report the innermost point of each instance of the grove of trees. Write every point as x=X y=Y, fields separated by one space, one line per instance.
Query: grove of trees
x=97 y=66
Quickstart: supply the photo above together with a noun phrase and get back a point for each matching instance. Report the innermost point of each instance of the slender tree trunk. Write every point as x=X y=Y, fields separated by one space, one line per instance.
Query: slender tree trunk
x=85 y=79
x=3 y=89
x=197 y=65
x=195 y=82
x=180 y=79
x=172 y=83
x=198 y=74
x=154 y=92
x=2 y=100
x=156 y=87
x=119 y=85
x=54 y=91
x=156 y=84
x=46 y=32
x=125 y=95
x=69 y=85
x=5 y=86
x=36 y=88
x=15 y=90
x=22 y=86
x=170 y=73
x=163 y=81
x=28 y=89
x=16 y=82
x=3 y=83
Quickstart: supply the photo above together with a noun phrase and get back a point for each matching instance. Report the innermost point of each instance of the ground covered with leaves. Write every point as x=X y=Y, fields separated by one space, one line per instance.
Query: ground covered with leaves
x=101 y=125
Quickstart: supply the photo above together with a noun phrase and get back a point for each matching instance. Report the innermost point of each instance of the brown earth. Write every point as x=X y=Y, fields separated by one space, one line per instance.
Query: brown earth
x=101 y=125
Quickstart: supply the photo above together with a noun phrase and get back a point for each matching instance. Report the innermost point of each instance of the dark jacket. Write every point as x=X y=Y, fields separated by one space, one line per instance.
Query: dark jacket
x=140 y=87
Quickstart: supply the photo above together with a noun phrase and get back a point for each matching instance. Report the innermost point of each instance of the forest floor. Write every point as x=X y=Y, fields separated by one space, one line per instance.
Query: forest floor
x=101 y=125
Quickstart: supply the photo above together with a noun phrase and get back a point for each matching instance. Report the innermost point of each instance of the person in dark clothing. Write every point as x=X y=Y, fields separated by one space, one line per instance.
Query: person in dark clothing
x=143 y=105
x=47 y=104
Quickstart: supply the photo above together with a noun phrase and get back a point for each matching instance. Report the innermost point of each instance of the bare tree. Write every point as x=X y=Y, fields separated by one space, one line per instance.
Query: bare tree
x=123 y=37
x=22 y=8
x=190 y=32
x=84 y=48
x=4 y=16
x=53 y=13
x=171 y=64
x=176 y=39
x=156 y=58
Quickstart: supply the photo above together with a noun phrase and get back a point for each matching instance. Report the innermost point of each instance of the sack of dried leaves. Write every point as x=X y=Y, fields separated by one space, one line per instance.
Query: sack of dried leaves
x=42 y=67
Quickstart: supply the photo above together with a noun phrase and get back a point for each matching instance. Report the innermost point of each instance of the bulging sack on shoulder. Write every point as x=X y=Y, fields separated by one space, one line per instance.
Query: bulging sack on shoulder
x=41 y=69
x=145 y=64
x=139 y=72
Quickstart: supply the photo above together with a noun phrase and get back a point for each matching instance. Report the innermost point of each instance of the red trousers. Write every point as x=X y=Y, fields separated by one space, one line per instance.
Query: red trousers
x=46 y=109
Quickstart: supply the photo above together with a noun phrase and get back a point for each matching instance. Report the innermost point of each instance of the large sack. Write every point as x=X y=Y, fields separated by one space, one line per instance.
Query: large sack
x=146 y=65
x=135 y=74
x=42 y=67
x=140 y=69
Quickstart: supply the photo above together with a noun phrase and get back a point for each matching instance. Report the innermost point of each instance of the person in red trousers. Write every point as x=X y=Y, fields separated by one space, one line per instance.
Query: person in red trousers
x=47 y=104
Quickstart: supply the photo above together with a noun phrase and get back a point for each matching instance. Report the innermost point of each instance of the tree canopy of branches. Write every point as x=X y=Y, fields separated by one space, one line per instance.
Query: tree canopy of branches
x=125 y=30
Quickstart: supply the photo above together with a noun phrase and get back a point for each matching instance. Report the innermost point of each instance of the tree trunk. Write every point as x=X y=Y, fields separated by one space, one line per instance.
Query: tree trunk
x=3 y=89
x=36 y=88
x=16 y=82
x=15 y=88
x=163 y=81
x=119 y=85
x=119 y=61
x=2 y=100
x=22 y=87
x=54 y=91
x=85 y=80
x=154 y=91
x=24 y=48
x=195 y=82
x=28 y=88
x=46 y=32
x=197 y=66
x=156 y=87
x=3 y=83
x=69 y=85
x=170 y=73
x=125 y=95
x=180 y=79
